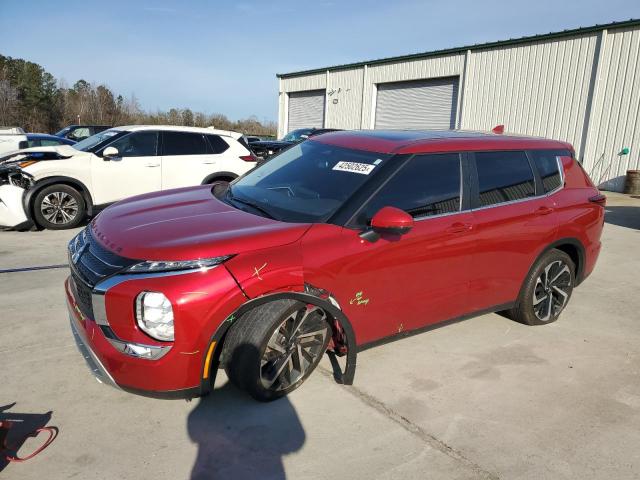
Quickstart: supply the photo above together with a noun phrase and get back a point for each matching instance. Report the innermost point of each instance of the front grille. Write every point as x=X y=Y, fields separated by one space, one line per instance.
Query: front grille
x=82 y=293
x=91 y=262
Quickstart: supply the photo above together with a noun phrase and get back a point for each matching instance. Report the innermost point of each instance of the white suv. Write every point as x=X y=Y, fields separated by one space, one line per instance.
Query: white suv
x=56 y=187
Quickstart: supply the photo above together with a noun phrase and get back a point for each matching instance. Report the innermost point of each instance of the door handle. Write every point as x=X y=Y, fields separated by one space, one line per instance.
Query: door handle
x=544 y=210
x=151 y=165
x=459 y=228
x=208 y=163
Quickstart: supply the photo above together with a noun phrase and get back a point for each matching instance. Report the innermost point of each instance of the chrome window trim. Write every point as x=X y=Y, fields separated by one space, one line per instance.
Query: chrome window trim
x=510 y=202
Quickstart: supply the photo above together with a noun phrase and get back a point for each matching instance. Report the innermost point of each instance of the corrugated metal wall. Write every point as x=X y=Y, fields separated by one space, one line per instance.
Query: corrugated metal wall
x=584 y=89
x=539 y=89
x=344 y=99
x=615 y=118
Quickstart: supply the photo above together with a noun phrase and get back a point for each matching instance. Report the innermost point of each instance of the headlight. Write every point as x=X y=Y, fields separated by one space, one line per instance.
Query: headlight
x=169 y=266
x=155 y=315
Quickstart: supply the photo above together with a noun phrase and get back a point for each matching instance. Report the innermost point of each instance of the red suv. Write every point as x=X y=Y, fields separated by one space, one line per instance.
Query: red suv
x=339 y=243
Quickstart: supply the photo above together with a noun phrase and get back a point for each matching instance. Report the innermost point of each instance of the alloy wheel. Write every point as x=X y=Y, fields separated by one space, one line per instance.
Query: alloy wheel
x=294 y=347
x=551 y=291
x=59 y=208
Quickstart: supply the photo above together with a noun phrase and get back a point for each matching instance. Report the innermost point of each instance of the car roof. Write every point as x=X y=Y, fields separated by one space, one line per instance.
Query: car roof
x=42 y=136
x=425 y=141
x=176 y=128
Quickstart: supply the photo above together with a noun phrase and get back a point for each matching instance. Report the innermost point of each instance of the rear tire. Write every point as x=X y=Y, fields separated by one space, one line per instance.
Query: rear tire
x=271 y=350
x=58 y=207
x=546 y=290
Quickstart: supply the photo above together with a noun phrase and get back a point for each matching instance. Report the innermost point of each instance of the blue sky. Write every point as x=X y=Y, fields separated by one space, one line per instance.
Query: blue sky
x=222 y=56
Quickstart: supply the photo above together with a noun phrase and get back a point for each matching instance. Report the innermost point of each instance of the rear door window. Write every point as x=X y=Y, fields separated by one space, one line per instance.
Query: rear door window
x=184 y=143
x=427 y=185
x=546 y=162
x=503 y=177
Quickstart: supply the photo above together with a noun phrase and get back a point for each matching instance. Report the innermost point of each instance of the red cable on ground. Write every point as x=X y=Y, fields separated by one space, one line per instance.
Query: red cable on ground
x=53 y=433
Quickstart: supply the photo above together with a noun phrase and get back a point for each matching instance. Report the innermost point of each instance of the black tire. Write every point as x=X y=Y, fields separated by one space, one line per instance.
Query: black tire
x=546 y=290
x=220 y=181
x=246 y=347
x=68 y=212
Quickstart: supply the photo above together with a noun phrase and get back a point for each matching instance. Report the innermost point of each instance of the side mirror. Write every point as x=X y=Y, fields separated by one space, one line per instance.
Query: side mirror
x=109 y=153
x=390 y=221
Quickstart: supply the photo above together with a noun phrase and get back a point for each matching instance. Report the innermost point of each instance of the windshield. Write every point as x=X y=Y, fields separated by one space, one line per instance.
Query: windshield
x=296 y=135
x=306 y=183
x=95 y=142
x=62 y=132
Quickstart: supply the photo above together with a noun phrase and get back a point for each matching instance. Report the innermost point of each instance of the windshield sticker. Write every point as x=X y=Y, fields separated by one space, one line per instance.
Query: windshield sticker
x=378 y=161
x=354 y=167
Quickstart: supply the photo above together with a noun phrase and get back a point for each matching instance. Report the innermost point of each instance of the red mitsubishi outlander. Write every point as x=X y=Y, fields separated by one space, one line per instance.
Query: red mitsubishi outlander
x=340 y=242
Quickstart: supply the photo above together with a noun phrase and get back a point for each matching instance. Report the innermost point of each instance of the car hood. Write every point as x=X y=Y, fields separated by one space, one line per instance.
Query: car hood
x=41 y=153
x=187 y=224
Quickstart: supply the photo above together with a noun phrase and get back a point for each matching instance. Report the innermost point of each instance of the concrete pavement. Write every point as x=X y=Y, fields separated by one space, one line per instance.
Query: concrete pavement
x=484 y=398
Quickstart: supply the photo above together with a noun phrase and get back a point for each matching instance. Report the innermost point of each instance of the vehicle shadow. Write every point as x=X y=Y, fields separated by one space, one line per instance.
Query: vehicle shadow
x=241 y=438
x=22 y=425
x=626 y=216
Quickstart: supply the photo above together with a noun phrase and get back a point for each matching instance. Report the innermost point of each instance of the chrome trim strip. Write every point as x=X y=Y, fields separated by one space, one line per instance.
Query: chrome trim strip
x=99 y=309
x=137 y=350
x=104 y=285
x=93 y=362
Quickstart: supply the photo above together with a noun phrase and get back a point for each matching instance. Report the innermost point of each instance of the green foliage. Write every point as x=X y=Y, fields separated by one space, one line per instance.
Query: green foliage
x=33 y=99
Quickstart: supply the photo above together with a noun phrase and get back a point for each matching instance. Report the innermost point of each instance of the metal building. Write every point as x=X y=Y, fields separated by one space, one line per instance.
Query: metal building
x=581 y=85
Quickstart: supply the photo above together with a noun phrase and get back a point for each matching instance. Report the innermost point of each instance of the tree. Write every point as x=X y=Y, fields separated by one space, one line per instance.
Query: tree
x=33 y=99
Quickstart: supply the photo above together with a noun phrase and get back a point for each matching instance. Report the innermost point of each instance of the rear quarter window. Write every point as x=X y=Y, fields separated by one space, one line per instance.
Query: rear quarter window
x=217 y=144
x=546 y=162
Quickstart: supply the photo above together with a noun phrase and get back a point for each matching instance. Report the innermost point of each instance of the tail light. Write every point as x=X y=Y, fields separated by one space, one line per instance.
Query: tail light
x=599 y=199
x=249 y=158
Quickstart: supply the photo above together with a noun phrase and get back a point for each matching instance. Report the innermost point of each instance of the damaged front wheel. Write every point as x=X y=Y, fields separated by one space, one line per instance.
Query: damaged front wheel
x=273 y=349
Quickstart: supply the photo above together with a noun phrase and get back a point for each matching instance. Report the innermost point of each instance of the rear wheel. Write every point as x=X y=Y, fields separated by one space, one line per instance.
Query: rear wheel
x=57 y=207
x=273 y=349
x=546 y=290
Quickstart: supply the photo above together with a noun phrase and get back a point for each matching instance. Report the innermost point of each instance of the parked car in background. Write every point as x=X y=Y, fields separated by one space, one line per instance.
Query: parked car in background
x=341 y=242
x=267 y=148
x=14 y=138
x=251 y=138
x=44 y=140
x=57 y=187
x=10 y=138
x=80 y=132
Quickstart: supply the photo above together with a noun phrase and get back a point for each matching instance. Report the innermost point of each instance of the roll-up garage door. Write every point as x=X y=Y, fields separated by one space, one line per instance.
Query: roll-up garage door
x=421 y=104
x=306 y=109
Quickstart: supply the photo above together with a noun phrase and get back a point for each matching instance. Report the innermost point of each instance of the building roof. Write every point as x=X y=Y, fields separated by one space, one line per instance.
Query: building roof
x=478 y=46
x=423 y=141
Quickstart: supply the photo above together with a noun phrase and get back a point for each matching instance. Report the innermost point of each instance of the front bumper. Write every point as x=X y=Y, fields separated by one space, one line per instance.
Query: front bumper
x=12 y=212
x=117 y=352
